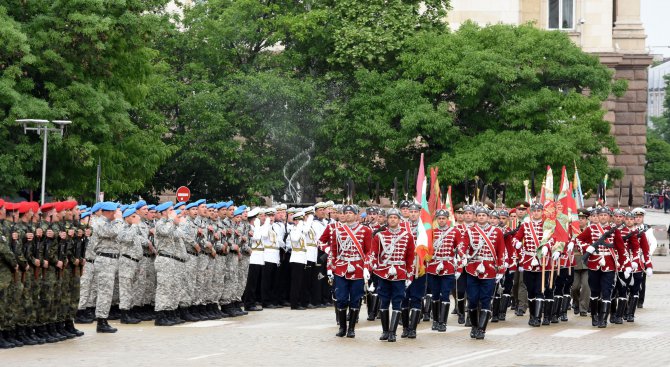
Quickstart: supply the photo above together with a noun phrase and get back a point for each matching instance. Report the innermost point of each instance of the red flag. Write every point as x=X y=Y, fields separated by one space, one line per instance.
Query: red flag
x=449 y=207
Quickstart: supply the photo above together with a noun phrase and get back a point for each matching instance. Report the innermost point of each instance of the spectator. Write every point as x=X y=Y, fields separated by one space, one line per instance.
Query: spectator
x=666 y=200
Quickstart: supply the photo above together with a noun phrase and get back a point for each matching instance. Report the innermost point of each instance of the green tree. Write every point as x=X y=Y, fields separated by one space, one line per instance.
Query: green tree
x=657 y=168
x=86 y=61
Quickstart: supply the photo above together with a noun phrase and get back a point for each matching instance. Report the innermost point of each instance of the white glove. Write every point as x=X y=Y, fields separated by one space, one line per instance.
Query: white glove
x=267 y=221
x=440 y=267
x=626 y=273
x=534 y=262
x=521 y=269
x=392 y=271
x=350 y=269
x=498 y=277
x=650 y=272
x=545 y=250
x=590 y=249
x=571 y=246
x=257 y=223
x=366 y=274
x=556 y=255
x=480 y=268
x=517 y=245
x=457 y=274
x=407 y=283
x=371 y=288
x=634 y=265
x=602 y=262
x=330 y=273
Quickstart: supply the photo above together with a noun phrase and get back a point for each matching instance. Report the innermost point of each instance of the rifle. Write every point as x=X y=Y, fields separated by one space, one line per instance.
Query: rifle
x=511 y=233
x=601 y=242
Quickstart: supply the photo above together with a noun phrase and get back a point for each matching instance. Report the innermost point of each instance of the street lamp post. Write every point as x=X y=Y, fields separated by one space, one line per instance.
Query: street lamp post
x=42 y=127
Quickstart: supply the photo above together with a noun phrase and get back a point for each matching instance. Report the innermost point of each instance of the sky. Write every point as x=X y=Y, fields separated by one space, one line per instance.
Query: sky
x=655 y=17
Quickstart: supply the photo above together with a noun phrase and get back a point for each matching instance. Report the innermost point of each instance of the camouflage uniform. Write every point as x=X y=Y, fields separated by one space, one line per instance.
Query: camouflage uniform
x=106 y=265
x=243 y=266
x=131 y=240
x=169 y=265
x=87 y=289
x=7 y=268
x=190 y=267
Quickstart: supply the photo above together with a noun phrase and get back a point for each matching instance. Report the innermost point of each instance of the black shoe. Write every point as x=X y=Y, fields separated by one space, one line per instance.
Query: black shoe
x=632 y=306
x=435 y=308
x=43 y=333
x=373 y=306
x=404 y=314
x=114 y=313
x=126 y=318
x=556 y=309
x=81 y=317
x=384 y=316
x=442 y=316
x=504 y=304
x=393 y=325
x=20 y=336
x=547 y=308
x=186 y=316
x=4 y=344
x=474 y=315
x=54 y=332
x=622 y=307
x=567 y=301
x=69 y=326
x=252 y=308
x=103 y=327
x=460 y=310
x=342 y=316
x=162 y=320
x=604 y=312
x=32 y=333
x=353 y=319
x=575 y=309
x=310 y=306
x=175 y=317
x=484 y=317
x=427 y=305
x=583 y=313
x=495 y=309
x=414 y=317
x=535 y=307
x=593 y=308
x=298 y=308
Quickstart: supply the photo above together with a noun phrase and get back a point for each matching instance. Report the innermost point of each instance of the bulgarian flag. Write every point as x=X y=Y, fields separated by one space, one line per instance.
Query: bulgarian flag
x=577 y=186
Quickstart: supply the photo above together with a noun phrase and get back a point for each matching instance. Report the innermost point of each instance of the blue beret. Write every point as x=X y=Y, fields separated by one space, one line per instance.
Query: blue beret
x=82 y=207
x=163 y=207
x=210 y=206
x=140 y=204
x=225 y=205
x=238 y=211
x=200 y=202
x=124 y=207
x=219 y=205
x=96 y=207
x=243 y=207
x=178 y=211
x=129 y=212
x=151 y=207
x=109 y=206
x=179 y=204
x=85 y=214
x=191 y=205
x=230 y=203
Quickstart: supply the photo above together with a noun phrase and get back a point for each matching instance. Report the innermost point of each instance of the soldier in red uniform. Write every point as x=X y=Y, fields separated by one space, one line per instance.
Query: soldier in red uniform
x=392 y=260
x=442 y=267
x=500 y=312
x=629 y=235
x=604 y=264
x=349 y=244
x=468 y=215
x=642 y=258
x=484 y=249
x=531 y=251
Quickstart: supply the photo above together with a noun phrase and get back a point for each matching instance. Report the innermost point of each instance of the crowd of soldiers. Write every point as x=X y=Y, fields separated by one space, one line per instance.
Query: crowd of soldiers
x=173 y=263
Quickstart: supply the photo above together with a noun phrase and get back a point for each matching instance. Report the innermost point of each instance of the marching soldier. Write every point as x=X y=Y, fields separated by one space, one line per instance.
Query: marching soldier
x=643 y=260
x=252 y=291
x=629 y=236
x=580 y=291
x=484 y=250
x=651 y=242
x=392 y=260
x=107 y=263
x=442 y=268
x=467 y=213
x=413 y=304
x=88 y=291
x=519 y=290
x=298 y=261
x=604 y=264
x=131 y=242
x=9 y=270
x=349 y=244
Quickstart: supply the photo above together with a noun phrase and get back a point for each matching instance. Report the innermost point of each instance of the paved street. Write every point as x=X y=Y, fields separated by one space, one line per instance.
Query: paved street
x=300 y=338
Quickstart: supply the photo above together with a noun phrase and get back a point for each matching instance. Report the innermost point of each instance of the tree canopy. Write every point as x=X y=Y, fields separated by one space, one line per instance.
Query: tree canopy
x=221 y=97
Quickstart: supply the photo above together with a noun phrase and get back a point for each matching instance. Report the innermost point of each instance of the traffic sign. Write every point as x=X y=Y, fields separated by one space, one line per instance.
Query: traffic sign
x=183 y=194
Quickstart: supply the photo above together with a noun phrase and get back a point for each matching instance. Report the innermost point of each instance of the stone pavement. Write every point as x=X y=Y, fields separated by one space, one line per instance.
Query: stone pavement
x=306 y=338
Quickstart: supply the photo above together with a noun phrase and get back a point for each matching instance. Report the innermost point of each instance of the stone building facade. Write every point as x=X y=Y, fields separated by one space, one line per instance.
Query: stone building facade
x=610 y=29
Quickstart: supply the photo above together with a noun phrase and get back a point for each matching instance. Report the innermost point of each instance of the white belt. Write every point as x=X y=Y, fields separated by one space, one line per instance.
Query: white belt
x=482 y=258
x=395 y=263
x=349 y=259
x=443 y=258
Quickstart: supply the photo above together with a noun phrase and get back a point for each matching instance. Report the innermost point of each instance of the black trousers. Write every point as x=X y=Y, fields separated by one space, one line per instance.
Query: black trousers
x=643 y=288
x=508 y=283
x=298 y=295
x=564 y=282
x=252 y=289
x=312 y=284
x=269 y=282
x=533 y=281
x=284 y=283
x=601 y=284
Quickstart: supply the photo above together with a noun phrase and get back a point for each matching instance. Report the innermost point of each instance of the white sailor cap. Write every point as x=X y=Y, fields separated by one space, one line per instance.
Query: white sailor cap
x=309 y=209
x=271 y=211
x=280 y=207
x=638 y=211
x=321 y=205
x=253 y=212
x=298 y=215
x=330 y=204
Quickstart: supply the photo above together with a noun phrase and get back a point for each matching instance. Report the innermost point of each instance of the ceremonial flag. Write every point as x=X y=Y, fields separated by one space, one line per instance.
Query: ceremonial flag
x=449 y=207
x=567 y=216
x=526 y=191
x=548 y=188
x=435 y=201
x=577 y=186
x=424 y=238
x=420 y=178
x=605 y=189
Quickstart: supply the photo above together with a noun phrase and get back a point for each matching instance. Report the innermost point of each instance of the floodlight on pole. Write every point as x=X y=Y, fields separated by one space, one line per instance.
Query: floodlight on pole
x=42 y=127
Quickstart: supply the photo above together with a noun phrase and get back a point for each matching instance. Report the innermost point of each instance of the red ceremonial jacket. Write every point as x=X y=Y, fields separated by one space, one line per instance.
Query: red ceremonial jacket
x=614 y=257
x=345 y=251
x=447 y=244
x=530 y=237
x=488 y=253
x=393 y=248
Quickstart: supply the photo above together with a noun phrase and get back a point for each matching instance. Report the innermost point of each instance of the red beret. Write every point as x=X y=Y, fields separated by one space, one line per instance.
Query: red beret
x=69 y=205
x=23 y=207
x=512 y=211
x=2 y=203
x=59 y=206
x=47 y=207
x=10 y=206
x=35 y=206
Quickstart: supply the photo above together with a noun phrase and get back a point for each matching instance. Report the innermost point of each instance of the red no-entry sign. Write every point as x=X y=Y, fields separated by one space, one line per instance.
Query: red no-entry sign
x=183 y=194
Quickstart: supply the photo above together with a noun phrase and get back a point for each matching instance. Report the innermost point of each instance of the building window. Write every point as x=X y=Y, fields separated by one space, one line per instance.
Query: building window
x=561 y=14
